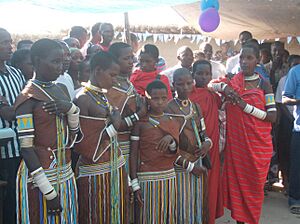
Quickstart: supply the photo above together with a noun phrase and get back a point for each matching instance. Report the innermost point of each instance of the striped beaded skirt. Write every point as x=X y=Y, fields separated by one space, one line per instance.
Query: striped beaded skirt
x=191 y=198
x=31 y=204
x=96 y=203
x=125 y=149
x=159 y=195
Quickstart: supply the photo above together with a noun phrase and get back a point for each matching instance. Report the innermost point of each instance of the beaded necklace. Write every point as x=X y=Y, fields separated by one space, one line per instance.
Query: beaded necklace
x=42 y=83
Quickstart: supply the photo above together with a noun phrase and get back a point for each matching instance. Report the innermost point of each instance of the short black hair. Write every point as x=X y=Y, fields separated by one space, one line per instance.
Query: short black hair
x=77 y=31
x=19 y=56
x=246 y=33
x=103 y=25
x=156 y=84
x=133 y=37
x=23 y=42
x=150 y=49
x=115 y=48
x=180 y=72
x=42 y=47
x=95 y=29
x=201 y=62
x=266 y=51
x=292 y=58
x=278 y=43
x=102 y=59
x=254 y=47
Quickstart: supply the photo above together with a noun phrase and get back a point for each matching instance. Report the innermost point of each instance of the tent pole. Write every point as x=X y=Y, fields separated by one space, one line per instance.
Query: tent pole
x=126 y=29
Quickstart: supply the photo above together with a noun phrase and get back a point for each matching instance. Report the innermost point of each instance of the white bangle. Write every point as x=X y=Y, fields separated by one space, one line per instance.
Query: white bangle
x=128 y=121
x=177 y=159
x=129 y=181
x=202 y=124
x=42 y=182
x=134 y=138
x=72 y=109
x=272 y=109
x=190 y=167
x=248 y=108
x=73 y=119
x=260 y=114
x=172 y=146
x=207 y=139
x=40 y=169
x=111 y=131
x=223 y=86
x=135 y=185
x=136 y=116
x=51 y=195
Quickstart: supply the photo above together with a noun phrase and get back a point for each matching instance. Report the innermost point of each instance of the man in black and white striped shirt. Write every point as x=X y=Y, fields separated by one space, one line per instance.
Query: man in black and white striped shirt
x=11 y=84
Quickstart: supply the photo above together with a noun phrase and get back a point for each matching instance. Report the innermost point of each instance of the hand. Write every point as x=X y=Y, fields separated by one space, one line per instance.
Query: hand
x=267 y=87
x=57 y=106
x=115 y=118
x=138 y=198
x=163 y=144
x=143 y=108
x=53 y=206
x=2 y=98
x=199 y=170
x=231 y=94
x=7 y=113
x=204 y=149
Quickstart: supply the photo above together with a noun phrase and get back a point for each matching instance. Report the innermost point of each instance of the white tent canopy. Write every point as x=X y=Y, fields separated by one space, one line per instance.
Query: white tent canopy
x=266 y=19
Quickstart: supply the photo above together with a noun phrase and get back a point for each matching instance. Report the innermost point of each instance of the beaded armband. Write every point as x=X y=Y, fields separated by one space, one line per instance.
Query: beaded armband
x=270 y=102
x=25 y=130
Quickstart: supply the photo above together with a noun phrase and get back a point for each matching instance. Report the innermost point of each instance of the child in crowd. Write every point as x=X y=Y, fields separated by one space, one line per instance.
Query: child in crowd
x=46 y=119
x=154 y=141
x=102 y=179
x=148 y=57
x=193 y=146
x=21 y=60
x=210 y=103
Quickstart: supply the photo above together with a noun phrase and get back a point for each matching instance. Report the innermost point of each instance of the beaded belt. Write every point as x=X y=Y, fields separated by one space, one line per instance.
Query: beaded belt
x=65 y=173
x=125 y=147
x=98 y=169
x=156 y=176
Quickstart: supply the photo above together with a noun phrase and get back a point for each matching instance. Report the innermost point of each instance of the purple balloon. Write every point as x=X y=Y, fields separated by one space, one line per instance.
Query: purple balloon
x=209 y=20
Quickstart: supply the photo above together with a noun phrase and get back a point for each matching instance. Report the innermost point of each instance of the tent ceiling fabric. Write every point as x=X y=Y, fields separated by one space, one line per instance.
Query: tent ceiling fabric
x=99 y=6
x=265 y=19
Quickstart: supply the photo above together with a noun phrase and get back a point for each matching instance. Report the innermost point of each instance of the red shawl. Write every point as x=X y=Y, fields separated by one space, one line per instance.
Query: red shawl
x=141 y=79
x=247 y=155
x=210 y=103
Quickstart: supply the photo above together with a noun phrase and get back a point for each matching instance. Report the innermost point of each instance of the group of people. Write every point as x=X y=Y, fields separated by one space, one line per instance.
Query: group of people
x=98 y=132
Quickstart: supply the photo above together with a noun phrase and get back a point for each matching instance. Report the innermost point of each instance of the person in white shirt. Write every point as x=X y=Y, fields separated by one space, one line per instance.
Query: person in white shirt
x=65 y=78
x=218 y=69
x=185 y=58
x=235 y=60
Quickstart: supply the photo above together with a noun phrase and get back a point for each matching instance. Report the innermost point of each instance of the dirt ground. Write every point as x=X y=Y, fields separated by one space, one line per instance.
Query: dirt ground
x=275 y=211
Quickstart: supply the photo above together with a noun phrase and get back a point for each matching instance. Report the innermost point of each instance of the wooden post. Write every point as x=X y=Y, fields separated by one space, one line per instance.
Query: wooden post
x=126 y=29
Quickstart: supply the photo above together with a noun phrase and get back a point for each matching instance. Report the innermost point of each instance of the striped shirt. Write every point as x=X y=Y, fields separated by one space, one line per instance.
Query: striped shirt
x=11 y=84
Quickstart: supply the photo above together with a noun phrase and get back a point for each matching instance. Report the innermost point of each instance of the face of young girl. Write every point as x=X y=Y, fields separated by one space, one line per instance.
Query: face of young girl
x=106 y=78
x=248 y=61
x=125 y=60
x=202 y=75
x=50 y=68
x=158 y=101
x=26 y=67
x=147 y=63
x=183 y=86
x=76 y=59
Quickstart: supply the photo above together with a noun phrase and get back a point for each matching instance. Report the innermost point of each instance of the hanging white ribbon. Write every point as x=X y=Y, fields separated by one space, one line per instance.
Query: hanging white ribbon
x=155 y=37
x=289 y=40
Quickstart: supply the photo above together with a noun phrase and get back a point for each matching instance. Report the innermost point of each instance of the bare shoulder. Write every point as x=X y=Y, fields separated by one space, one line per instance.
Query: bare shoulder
x=82 y=100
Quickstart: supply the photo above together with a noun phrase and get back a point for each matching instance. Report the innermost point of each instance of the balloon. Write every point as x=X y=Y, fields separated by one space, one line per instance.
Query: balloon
x=209 y=20
x=205 y=4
